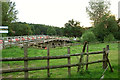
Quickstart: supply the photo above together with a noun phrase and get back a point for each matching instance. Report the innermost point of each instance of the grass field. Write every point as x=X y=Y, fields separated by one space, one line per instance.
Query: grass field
x=94 y=70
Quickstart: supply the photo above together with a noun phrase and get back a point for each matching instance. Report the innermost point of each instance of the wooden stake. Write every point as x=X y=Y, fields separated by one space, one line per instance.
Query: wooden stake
x=81 y=58
x=108 y=59
x=48 y=71
x=104 y=58
x=26 y=61
x=69 y=68
x=87 y=58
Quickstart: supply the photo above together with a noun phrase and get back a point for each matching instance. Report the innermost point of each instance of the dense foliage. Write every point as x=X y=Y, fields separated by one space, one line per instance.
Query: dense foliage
x=88 y=36
x=22 y=28
x=19 y=29
x=9 y=13
x=106 y=26
x=109 y=38
x=73 y=28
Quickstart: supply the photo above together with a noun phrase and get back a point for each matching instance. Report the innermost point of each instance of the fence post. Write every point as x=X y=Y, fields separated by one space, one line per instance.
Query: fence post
x=64 y=43
x=18 y=42
x=107 y=60
x=23 y=42
x=104 y=58
x=3 y=44
x=36 y=41
x=10 y=42
x=107 y=52
x=48 y=53
x=15 y=43
x=69 y=68
x=87 y=58
x=25 y=61
x=81 y=58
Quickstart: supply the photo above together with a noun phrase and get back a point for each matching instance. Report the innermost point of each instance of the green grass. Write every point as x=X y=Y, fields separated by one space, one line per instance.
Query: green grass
x=94 y=70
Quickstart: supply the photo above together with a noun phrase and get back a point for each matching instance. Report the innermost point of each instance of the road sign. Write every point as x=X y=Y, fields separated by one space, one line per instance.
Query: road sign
x=3 y=29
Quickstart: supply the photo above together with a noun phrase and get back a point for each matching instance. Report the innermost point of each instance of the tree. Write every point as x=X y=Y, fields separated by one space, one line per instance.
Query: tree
x=96 y=9
x=59 y=31
x=73 y=29
x=88 y=36
x=106 y=26
x=21 y=29
x=51 y=31
x=8 y=14
x=118 y=32
x=109 y=38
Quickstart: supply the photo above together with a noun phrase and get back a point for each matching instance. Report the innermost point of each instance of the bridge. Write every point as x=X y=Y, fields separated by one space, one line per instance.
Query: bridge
x=51 y=42
x=35 y=41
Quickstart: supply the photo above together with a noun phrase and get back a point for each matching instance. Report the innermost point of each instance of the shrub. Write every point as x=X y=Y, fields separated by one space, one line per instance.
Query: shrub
x=88 y=36
x=109 y=38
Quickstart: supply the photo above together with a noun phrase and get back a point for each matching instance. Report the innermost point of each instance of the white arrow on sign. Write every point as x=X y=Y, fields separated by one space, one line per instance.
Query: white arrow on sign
x=3 y=29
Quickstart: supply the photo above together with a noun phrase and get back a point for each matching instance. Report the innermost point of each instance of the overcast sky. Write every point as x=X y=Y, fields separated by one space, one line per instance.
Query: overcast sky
x=56 y=12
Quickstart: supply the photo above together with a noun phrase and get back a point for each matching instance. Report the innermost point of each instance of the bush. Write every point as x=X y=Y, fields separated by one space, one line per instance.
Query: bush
x=88 y=36
x=109 y=38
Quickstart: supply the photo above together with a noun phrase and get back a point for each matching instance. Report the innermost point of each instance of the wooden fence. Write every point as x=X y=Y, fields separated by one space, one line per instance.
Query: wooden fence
x=26 y=69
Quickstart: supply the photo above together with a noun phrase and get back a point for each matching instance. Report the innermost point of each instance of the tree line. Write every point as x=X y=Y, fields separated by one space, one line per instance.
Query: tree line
x=23 y=28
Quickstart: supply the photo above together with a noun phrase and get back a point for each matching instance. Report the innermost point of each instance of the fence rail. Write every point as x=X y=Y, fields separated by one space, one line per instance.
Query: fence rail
x=48 y=57
x=50 y=67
